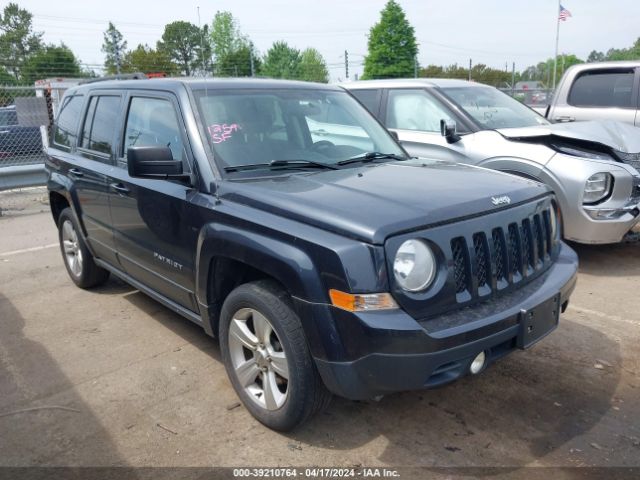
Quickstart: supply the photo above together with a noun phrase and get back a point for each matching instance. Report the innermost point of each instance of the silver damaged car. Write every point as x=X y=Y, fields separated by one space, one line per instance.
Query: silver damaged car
x=592 y=166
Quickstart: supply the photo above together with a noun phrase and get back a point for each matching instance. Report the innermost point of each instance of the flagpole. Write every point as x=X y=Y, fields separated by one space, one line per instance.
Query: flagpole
x=555 y=58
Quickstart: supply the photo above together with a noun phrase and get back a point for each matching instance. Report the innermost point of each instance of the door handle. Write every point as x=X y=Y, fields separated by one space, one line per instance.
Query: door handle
x=76 y=172
x=564 y=118
x=120 y=188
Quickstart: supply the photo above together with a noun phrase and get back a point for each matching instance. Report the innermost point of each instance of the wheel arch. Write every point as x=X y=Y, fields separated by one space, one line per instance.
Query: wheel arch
x=229 y=256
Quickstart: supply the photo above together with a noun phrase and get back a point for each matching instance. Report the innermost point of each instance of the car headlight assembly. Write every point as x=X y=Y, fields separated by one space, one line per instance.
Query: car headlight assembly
x=414 y=266
x=597 y=188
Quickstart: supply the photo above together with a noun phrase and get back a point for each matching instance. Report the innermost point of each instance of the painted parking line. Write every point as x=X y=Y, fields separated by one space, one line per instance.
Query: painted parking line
x=27 y=250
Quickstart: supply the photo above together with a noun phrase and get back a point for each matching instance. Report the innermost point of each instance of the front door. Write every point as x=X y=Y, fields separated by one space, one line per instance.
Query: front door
x=155 y=230
x=415 y=114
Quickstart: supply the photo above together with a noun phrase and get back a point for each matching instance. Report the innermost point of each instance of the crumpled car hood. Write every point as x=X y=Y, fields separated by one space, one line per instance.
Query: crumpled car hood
x=622 y=137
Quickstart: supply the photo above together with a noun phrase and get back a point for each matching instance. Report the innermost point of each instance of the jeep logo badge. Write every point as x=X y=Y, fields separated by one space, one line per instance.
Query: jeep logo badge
x=503 y=200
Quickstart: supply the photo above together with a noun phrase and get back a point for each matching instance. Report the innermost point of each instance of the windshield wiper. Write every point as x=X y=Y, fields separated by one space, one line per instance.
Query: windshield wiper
x=281 y=164
x=370 y=157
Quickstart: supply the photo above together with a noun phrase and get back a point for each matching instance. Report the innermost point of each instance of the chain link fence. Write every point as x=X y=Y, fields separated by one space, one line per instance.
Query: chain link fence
x=26 y=116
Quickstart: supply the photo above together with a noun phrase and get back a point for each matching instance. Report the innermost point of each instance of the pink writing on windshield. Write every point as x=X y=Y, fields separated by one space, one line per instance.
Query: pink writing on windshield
x=222 y=132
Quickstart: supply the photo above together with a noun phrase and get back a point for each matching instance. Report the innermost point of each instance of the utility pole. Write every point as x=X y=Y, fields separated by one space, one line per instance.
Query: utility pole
x=253 y=67
x=555 y=58
x=470 y=64
x=346 y=64
x=513 y=79
x=415 y=66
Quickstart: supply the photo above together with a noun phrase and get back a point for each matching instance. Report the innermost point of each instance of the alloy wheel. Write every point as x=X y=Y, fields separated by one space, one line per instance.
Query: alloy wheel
x=71 y=247
x=258 y=359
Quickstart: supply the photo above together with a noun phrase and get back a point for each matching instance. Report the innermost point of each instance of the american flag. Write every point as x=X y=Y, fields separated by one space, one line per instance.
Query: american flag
x=564 y=14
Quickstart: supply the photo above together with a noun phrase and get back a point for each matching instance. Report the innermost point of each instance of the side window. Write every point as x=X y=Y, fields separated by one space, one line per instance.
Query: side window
x=153 y=122
x=369 y=98
x=100 y=123
x=415 y=110
x=603 y=88
x=66 y=129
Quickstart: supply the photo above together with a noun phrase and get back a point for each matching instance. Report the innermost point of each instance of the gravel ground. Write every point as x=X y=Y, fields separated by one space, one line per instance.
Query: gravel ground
x=109 y=377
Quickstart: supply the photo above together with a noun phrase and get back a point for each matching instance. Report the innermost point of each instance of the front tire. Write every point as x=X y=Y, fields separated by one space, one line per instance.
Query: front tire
x=77 y=258
x=267 y=359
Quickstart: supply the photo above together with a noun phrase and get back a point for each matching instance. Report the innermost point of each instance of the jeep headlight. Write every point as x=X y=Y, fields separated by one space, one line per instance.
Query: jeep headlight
x=598 y=187
x=414 y=267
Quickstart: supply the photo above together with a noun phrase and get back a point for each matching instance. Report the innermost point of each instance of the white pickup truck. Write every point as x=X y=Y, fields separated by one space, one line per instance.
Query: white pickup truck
x=598 y=91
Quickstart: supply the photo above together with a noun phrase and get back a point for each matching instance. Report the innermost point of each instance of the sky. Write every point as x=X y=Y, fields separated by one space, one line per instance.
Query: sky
x=493 y=32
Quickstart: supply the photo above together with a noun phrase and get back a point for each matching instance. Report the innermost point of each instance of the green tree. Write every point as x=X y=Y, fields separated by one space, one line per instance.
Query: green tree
x=313 y=67
x=113 y=46
x=6 y=78
x=490 y=76
x=51 y=61
x=147 y=60
x=632 y=53
x=392 y=45
x=18 y=41
x=431 y=71
x=238 y=63
x=186 y=45
x=596 y=56
x=543 y=71
x=225 y=36
x=232 y=51
x=281 y=61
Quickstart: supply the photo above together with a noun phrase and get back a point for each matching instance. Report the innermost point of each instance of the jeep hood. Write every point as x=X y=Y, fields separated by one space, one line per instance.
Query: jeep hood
x=372 y=202
x=622 y=137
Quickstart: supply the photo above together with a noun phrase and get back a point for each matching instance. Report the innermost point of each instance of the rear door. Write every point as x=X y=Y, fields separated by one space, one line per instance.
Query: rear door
x=600 y=94
x=155 y=230
x=87 y=159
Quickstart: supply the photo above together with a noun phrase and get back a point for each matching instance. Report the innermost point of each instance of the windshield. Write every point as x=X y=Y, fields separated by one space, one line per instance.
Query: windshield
x=493 y=109
x=277 y=127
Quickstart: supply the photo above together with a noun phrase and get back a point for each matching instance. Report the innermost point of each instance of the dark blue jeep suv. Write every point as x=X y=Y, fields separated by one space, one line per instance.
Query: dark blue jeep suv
x=287 y=222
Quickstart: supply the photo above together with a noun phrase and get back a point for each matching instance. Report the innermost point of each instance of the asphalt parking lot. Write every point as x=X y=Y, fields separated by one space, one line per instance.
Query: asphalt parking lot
x=110 y=377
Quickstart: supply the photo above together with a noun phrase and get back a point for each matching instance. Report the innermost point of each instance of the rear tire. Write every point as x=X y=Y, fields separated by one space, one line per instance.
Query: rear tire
x=76 y=256
x=267 y=358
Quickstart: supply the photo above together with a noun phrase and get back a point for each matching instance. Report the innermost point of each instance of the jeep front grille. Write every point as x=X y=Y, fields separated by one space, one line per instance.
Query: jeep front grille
x=501 y=256
x=459 y=254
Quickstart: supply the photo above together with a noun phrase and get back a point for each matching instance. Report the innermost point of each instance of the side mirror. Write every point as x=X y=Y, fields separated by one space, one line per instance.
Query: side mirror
x=154 y=162
x=394 y=135
x=448 y=130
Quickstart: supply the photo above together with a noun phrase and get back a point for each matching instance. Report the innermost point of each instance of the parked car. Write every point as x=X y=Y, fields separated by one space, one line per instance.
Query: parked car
x=598 y=91
x=15 y=139
x=591 y=166
x=323 y=267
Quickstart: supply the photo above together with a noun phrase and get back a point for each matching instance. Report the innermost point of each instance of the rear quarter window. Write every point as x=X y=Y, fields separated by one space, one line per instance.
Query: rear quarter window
x=603 y=88
x=100 y=124
x=66 y=127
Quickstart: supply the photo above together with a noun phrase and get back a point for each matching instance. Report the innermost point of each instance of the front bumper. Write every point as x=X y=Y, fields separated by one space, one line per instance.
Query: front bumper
x=389 y=351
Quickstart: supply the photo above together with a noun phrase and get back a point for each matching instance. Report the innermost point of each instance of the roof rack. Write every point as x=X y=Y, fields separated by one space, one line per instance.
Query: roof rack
x=122 y=76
